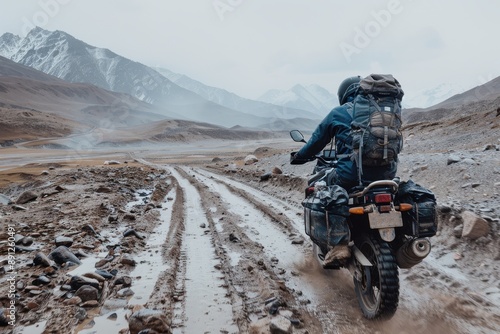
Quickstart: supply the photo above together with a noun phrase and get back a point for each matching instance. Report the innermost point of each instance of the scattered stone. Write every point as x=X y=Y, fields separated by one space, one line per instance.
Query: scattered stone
x=124 y=280
x=216 y=159
x=32 y=305
x=103 y=189
x=72 y=301
x=125 y=292
x=474 y=226
x=19 y=208
x=151 y=319
x=41 y=280
x=129 y=216
x=87 y=292
x=277 y=170
x=45 y=172
x=111 y=162
x=63 y=241
x=203 y=225
x=233 y=238
x=298 y=241
x=113 y=316
x=132 y=232
x=77 y=282
x=80 y=314
x=104 y=273
x=95 y=276
x=265 y=177
x=453 y=158
x=25 y=241
x=457 y=231
x=112 y=218
x=26 y=197
x=89 y=229
x=90 y=303
x=280 y=325
x=250 y=159
x=470 y=161
x=128 y=260
x=490 y=147
x=62 y=254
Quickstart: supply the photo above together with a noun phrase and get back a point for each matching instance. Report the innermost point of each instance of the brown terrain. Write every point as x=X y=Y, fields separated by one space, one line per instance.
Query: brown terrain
x=171 y=226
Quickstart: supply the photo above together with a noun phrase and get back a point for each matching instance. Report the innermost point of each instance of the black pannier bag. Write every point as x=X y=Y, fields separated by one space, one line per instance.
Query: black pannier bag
x=325 y=212
x=421 y=220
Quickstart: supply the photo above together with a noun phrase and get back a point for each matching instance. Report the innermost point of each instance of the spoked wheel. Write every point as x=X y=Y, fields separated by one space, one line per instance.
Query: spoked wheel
x=378 y=289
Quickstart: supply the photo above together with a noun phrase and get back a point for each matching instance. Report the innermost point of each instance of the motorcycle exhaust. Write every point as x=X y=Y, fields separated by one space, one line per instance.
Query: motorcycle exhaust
x=413 y=252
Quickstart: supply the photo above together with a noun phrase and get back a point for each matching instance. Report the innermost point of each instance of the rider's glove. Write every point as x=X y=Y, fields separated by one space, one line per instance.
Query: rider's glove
x=296 y=160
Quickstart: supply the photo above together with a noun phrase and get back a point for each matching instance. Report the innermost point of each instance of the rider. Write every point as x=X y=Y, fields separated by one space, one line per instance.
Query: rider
x=337 y=125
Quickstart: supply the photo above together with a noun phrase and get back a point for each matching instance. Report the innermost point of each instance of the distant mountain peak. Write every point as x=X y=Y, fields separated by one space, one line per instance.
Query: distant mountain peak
x=312 y=97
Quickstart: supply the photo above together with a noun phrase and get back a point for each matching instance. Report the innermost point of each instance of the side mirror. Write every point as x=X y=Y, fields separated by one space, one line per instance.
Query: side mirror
x=297 y=136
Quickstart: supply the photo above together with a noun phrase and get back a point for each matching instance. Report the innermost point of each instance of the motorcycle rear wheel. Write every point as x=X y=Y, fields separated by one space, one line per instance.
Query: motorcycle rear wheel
x=378 y=290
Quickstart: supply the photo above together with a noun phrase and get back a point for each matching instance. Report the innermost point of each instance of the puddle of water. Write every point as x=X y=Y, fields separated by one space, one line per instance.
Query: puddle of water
x=148 y=268
x=150 y=262
x=105 y=325
x=206 y=308
x=37 y=328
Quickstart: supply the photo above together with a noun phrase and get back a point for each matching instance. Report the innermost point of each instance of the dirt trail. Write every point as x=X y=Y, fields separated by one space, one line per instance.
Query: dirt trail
x=212 y=252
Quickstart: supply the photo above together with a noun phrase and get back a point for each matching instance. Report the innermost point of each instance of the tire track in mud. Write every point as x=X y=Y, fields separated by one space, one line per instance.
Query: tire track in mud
x=204 y=306
x=324 y=301
x=336 y=306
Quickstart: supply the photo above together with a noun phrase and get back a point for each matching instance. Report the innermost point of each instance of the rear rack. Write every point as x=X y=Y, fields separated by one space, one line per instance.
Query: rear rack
x=374 y=184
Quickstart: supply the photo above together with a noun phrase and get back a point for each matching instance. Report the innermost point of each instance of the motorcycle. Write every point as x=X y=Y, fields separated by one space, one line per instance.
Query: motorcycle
x=384 y=234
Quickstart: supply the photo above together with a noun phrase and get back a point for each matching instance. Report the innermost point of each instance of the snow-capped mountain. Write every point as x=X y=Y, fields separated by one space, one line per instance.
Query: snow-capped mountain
x=233 y=101
x=61 y=55
x=313 y=98
x=431 y=96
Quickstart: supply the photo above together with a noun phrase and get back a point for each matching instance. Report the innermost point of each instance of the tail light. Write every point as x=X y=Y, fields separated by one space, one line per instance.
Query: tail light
x=383 y=198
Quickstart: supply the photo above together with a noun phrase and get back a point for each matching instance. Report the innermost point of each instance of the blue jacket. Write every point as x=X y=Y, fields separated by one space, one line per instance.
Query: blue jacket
x=337 y=124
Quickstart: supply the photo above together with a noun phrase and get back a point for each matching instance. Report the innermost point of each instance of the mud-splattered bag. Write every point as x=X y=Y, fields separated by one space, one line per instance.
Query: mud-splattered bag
x=421 y=221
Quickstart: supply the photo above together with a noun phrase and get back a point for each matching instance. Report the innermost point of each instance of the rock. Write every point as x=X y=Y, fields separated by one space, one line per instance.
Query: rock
x=111 y=162
x=112 y=218
x=124 y=280
x=103 y=189
x=81 y=314
x=216 y=159
x=280 y=325
x=297 y=241
x=77 y=282
x=87 y=292
x=457 y=231
x=265 y=177
x=453 y=158
x=233 y=238
x=72 y=301
x=90 y=303
x=129 y=216
x=19 y=208
x=26 y=197
x=470 y=161
x=89 y=229
x=474 y=226
x=250 y=159
x=62 y=254
x=104 y=273
x=95 y=276
x=128 y=260
x=45 y=172
x=41 y=280
x=277 y=170
x=132 y=232
x=125 y=292
x=489 y=147
x=148 y=319
x=63 y=241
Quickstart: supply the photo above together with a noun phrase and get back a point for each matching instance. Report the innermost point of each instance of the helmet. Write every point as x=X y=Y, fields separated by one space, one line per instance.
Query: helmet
x=347 y=88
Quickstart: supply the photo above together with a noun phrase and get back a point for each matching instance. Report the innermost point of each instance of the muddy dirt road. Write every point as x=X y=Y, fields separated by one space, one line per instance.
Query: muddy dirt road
x=193 y=248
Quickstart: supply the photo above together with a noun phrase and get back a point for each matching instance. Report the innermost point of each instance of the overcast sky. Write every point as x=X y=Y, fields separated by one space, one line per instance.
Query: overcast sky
x=250 y=46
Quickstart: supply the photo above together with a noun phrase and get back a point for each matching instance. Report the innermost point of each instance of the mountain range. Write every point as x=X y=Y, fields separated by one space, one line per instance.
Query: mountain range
x=60 y=54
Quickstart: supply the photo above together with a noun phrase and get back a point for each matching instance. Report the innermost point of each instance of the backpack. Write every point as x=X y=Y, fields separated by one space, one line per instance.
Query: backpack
x=376 y=121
